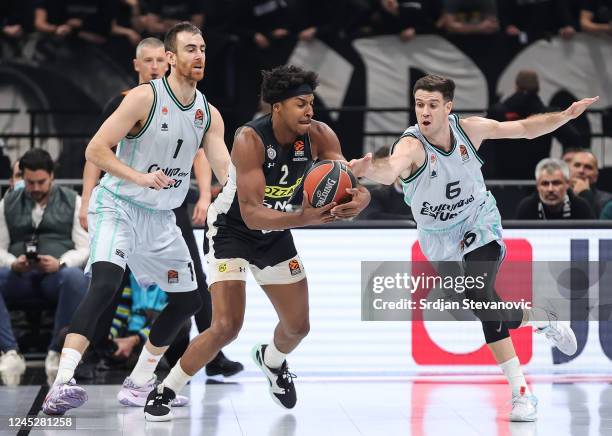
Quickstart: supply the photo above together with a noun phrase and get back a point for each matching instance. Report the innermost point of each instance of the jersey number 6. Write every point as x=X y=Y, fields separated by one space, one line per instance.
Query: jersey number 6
x=452 y=192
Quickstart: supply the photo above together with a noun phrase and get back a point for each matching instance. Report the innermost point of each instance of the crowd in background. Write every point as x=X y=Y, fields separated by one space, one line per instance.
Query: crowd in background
x=263 y=21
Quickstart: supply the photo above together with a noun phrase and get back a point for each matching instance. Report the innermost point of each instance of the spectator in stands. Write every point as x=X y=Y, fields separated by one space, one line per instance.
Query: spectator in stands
x=606 y=213
x=263 y=21
x=387 y=201
x=128 y=21
x=163 y=14
x=596 y=17
x=408 y=17
x=553 y=199
x=14 y=18
x=321 y=19
x=42 y=251
x=471 y=16
x=89 y=20
x=16 y=181
x=568 y=154
x=515 y=159
x=584 y=172
x=537 y=19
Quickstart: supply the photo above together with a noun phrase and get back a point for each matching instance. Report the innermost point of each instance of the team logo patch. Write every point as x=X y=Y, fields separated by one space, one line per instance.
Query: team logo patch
x=164 y=110
x=433 y=162
x=199 y=118
x=271 y=152
x=120 y=253
x=464 y=153
x=164 y=127
x=173 y=276
x=222 y=267
x=294 y=267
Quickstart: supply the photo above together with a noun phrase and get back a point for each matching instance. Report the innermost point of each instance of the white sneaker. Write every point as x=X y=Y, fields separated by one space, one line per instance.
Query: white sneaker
x=560 y=334
x=52 y=363
x=12 y=362
x=524 y=407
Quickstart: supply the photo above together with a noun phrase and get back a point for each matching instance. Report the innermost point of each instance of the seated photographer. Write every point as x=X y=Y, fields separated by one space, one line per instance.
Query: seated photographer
x=42 y=251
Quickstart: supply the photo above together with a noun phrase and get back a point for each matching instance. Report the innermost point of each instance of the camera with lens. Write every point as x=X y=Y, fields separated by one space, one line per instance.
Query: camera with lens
x=31 y=249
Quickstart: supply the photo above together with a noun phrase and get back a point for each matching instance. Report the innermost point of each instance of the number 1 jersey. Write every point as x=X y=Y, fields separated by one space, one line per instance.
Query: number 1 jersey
x=168 y=141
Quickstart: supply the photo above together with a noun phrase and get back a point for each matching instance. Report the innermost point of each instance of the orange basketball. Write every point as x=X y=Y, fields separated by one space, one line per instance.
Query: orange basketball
x=327 y=181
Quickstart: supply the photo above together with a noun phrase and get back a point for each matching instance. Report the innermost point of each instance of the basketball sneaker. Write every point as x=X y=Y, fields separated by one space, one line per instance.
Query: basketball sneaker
x=524 y=407
x=159 y=404
x=63 y=397
x=282 y=389
x=559 y=334
x=134 y=395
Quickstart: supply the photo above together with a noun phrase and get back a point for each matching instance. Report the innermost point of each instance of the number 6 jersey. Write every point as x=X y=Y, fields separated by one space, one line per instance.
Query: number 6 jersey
x=168 y=141
x=449 y=186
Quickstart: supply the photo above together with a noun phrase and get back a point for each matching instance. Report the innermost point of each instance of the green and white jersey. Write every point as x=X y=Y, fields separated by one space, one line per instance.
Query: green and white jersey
x=449 y=186
x=168 y=141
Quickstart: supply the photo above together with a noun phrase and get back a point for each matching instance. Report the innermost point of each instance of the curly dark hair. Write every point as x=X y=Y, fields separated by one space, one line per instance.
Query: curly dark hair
x=278 y=81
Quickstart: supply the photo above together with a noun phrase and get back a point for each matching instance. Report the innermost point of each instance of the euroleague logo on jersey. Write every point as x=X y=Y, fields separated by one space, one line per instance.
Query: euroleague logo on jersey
x=298 y=151
x=199 y=118
x=464 y=153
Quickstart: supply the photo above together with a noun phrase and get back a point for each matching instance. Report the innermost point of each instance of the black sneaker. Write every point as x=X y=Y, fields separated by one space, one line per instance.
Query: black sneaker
x=158 y=406
x=221 y=365
x=282 y=389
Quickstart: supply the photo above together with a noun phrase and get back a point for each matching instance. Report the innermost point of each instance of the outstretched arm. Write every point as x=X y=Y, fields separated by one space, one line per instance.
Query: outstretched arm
x=407 y=154
x=480 y=129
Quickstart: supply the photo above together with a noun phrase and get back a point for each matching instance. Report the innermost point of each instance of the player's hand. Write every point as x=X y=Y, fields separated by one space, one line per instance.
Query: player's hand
x=157 y=180
x=83 y=214
x=20 y=265
x=578 y=107
x=199 y=211
x=316 y=215
x=360 y=200
x=579 y=185
x=48 y=264
x=360 y=167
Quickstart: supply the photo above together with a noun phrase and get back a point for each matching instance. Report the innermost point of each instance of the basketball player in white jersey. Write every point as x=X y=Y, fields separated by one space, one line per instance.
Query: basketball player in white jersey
x=159 y=127
x=457 y=218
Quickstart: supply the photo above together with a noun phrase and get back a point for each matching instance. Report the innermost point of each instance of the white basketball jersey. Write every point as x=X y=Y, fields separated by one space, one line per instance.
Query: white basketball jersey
x=168 y=141
x=449 y=185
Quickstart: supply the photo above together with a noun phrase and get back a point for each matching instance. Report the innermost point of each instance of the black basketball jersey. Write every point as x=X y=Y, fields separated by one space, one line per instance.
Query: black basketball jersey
x=284 y=168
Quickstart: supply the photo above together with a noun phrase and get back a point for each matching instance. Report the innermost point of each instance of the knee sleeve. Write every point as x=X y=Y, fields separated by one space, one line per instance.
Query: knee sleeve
x=105 y=282
x=180 y=307
x=495 y=331
x=483 y=263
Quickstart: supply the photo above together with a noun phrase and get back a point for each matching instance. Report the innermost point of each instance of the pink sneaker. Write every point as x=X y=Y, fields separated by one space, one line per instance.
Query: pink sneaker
x=63 y=397
x=134 y=395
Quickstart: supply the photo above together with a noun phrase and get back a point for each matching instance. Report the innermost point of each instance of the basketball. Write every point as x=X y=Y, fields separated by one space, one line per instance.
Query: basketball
x=327 y=181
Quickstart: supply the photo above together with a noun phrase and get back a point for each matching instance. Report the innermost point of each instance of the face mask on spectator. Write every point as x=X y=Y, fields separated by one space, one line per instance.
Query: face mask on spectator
x=20 y=184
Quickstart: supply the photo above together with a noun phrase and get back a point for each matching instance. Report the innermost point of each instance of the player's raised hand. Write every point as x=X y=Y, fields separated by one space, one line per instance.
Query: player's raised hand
x=156 y=180
x=578 y=107
x=316 y=215
x=359 y=167
x=360 y=200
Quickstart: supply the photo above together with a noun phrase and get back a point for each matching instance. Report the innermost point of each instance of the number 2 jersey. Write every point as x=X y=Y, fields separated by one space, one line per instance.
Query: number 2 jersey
x=283 y=168
x=453 y=210
x=168 y=141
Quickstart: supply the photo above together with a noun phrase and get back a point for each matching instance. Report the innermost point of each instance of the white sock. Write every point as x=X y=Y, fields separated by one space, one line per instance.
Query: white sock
x=514 y=374
x=177 y=379
x=145 y=367
x=272 y=357
x=537 y=317
x=69 y=360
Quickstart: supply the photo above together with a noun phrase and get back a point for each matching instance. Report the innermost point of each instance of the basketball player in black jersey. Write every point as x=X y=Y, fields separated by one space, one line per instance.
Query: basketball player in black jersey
x=248 y=228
